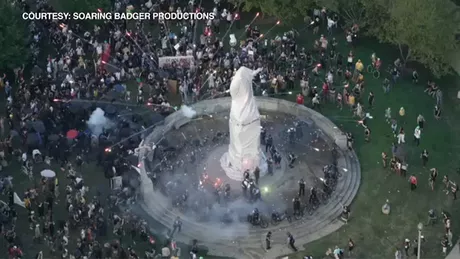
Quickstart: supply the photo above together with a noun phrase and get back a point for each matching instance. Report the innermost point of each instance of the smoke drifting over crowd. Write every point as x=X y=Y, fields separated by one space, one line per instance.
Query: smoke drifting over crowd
x=98 y=122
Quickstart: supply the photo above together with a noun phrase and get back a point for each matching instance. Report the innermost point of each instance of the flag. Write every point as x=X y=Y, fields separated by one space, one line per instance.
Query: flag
x=18 y=201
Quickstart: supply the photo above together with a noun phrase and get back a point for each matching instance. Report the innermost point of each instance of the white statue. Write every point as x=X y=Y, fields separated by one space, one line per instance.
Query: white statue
x=244 y=150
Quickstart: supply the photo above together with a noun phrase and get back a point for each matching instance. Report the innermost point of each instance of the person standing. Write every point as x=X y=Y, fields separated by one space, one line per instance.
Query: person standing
x=351 y=246
x=454 y=189
x=257 y=175
x=371 y=99
x=367 y=134
x=270 y=166
x=437 y=112
x=349 y=140
x=444 y=244
x=420 y=121
x=413 y=182
x=291 y=242
x=401 y=136
x=424 y=157
x=432 y=179
x=417 y=135
x=268 y=143
x=384 y=159
x=268 y=240
x=301 y=187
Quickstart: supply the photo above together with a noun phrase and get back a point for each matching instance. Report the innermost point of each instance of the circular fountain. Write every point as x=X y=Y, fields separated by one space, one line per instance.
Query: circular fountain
x=183 y=158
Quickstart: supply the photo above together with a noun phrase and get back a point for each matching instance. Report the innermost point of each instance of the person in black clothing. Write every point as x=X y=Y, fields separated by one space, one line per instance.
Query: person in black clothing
x=268 y=143
x=41 y=210
x=424 y=157
x=257 y=175
x=268 y=240
x=292 y=159
x=313 y=200
x=301 y=187
x=246 y=175
x=296 y=205
x=263 y=136
x=349 y=140
x=291 y=242
x=371 y=99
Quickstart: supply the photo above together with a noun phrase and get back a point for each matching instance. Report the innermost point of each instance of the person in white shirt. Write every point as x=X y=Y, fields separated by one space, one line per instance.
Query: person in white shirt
x=417 y=135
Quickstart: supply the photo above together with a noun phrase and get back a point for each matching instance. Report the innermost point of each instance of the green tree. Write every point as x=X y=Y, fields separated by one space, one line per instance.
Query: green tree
x=424 y=31
x=286 y=10
x=13 y=37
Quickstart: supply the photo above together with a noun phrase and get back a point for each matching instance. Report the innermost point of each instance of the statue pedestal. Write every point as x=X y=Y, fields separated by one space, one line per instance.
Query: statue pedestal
x=235 y=172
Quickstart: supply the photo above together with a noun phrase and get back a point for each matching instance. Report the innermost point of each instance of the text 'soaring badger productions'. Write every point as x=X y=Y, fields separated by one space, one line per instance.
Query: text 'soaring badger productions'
x=118 y=16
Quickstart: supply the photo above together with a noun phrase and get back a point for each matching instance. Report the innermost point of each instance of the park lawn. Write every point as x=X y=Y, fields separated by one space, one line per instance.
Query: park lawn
x=377 y=235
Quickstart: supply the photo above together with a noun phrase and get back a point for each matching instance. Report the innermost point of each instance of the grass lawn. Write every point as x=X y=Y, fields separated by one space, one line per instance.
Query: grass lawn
x=377 y=235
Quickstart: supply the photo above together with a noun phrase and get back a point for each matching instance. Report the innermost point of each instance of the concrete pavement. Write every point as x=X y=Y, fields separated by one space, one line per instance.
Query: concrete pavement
x=455 y=253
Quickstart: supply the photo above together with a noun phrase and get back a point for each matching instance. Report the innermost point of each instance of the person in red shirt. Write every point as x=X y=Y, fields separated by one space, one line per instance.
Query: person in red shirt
x=325 y=90
x=413 y=182
x=300 y=99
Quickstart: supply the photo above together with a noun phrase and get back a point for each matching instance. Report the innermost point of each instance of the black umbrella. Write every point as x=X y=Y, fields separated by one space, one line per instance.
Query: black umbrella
x=74 y=107
x=87 y=105
x=53 y=137
x=32 y=139
x=110 y=109
x=38 y=126
x=15 y=141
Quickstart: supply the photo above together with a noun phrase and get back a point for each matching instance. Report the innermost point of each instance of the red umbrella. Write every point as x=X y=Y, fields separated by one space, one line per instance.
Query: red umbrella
x=71 y=134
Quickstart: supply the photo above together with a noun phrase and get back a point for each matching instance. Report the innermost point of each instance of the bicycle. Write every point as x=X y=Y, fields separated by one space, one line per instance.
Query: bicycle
x=375 y=72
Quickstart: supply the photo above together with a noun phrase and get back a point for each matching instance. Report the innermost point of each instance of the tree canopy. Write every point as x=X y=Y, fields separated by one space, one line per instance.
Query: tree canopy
x=13 y=37
x=287 y=10
x=424 y=31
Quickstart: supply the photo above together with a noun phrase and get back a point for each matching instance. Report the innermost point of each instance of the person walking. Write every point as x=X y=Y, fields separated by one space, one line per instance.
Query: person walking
x=424 y=157
x=417 y=135
x=302 y=187
x=268 y=240
x=291 y=242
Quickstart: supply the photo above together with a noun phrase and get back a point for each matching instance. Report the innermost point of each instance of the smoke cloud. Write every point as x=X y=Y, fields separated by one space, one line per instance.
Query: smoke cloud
x=98 y=122
x=187 y=111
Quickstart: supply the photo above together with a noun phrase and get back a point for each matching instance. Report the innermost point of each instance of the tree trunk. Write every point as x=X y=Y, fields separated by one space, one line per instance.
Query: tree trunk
x=405 y=58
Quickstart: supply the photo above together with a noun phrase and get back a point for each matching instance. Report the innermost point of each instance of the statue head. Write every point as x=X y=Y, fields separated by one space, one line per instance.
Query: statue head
x=241 y=85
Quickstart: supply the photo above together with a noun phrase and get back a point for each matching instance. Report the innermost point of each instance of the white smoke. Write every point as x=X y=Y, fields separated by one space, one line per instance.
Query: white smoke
x=187 y=111
x=98 y=122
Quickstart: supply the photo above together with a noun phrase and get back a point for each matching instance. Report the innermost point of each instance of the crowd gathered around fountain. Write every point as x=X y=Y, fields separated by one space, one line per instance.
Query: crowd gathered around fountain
x=74 y=112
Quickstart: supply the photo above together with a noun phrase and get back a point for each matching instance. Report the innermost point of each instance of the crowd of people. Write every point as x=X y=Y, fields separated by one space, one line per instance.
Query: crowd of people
x=97 y=63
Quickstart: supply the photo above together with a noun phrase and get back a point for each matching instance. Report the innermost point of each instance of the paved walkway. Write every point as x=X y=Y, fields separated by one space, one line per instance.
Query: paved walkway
x=455 y=253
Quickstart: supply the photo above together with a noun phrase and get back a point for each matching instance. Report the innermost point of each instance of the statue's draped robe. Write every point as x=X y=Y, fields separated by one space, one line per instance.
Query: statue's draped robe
x=244 y=149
